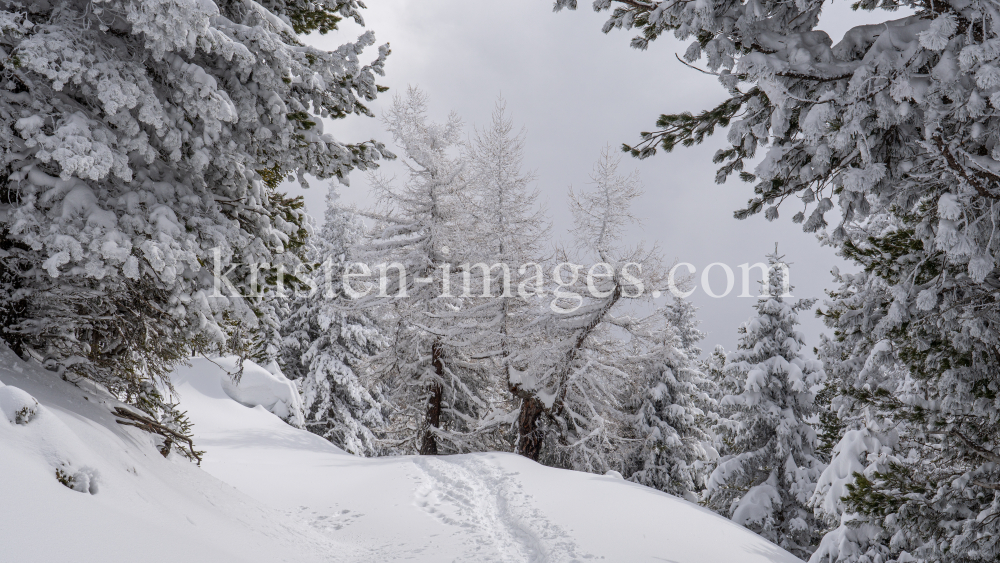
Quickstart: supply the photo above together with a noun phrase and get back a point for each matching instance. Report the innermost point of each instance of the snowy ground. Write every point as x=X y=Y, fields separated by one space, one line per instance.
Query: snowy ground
x=269 y=492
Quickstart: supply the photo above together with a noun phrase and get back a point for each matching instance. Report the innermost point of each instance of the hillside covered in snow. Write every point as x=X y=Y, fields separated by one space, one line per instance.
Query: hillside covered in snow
x=269 y=492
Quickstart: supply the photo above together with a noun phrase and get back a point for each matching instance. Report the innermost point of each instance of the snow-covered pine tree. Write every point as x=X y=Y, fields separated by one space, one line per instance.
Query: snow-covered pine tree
x=417 y=247
x=329 y=343
x=273 y=303
x=510 y=231
x=768 y=472
x=722 y=381
x=892 y=490
x=664 y=418
x=143 y=144
x=574 y=387
x=897 y=120
x=716 y=382
x=682 y=316
x=868 y=445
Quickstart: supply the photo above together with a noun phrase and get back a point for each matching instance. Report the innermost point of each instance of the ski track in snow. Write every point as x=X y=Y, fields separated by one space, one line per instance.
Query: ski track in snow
x=491 y=510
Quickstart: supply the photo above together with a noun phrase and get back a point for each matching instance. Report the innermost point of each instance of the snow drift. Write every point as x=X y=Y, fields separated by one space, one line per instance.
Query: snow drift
x=266 y=387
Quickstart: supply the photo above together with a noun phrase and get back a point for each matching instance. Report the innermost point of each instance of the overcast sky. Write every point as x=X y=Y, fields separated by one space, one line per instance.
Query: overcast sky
x=576 y=90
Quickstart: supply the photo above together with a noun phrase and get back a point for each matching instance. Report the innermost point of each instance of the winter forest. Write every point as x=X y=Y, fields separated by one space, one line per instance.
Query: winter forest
x=260 y=305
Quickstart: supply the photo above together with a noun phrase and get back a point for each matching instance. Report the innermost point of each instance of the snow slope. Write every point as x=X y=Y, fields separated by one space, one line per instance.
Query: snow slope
x=481 y=507
x=143 y=508
x=295 y=497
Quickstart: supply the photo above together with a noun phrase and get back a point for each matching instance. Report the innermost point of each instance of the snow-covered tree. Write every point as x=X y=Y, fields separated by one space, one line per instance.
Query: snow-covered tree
x=328 y=343
x=273 y=304
x=715 y=383
x=865 y=450
x=144 y=142
x=419 y=243
x=509 y=229
x=506 y=211
x=897 y=121
x=574 y=386
x=894 y=489
x=682 y=316
x=664 y=416
x=722 y=382
x=768 y=471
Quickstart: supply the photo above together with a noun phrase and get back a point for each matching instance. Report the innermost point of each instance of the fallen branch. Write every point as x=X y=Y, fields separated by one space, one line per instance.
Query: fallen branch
x=141 y=422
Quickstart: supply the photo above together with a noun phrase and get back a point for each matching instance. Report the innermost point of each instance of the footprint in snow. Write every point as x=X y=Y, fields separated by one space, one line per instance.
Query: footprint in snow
x=492 y=512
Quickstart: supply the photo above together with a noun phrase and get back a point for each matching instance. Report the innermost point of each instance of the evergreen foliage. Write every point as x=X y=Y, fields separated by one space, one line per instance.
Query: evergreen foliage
x=665 y=418
x=144 y=142
x=768 y=471
x=328 y=344
x=896 y=121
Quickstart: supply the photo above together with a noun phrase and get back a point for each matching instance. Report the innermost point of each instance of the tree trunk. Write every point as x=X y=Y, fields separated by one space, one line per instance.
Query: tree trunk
x=529 y=436
x=432 y=418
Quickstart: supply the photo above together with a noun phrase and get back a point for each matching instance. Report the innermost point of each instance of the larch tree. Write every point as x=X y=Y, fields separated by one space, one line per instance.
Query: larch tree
x=418 y=244
x=144 y=143
x=510 y=230
x=573 y=388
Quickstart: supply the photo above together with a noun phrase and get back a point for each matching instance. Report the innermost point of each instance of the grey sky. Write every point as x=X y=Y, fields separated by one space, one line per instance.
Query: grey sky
x=577 y=90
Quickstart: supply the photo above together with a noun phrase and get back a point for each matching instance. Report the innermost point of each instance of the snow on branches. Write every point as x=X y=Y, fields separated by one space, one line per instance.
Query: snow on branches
x=769 y=467
x=894 y=127
x=144 y=143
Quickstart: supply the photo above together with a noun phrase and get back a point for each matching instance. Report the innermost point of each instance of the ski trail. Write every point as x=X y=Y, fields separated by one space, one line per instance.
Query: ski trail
x=491 y=511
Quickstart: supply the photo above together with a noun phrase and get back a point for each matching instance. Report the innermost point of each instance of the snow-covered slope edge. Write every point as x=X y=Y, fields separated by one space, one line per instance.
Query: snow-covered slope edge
x=481 y=507
x=129 y=503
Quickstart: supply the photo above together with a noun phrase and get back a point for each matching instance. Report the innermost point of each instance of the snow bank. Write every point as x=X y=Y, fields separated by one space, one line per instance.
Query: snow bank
x=18 y=406
x=268 y=388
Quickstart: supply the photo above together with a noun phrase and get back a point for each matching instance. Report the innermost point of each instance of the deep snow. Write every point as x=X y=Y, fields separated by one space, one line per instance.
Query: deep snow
x=269 y=492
